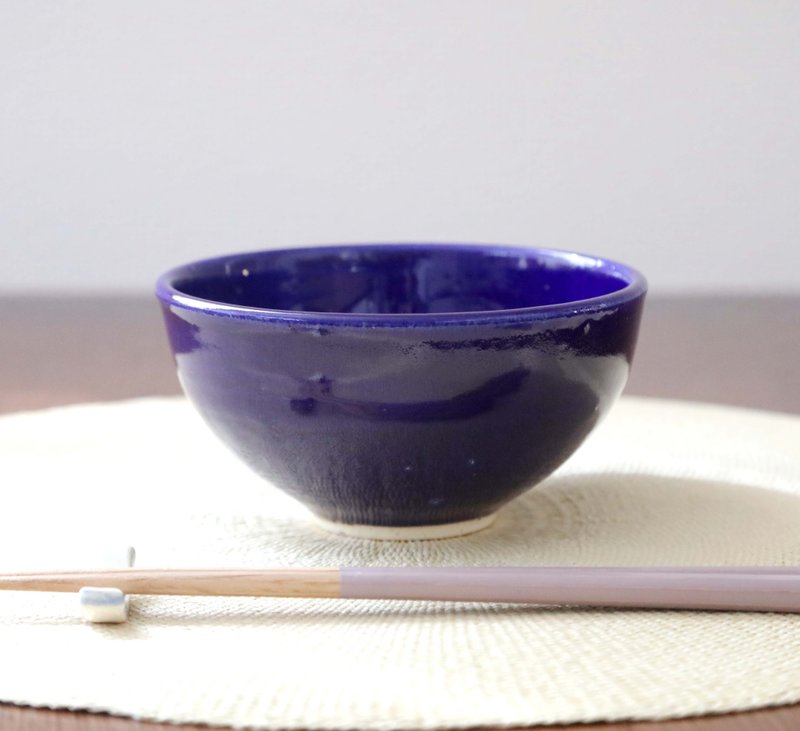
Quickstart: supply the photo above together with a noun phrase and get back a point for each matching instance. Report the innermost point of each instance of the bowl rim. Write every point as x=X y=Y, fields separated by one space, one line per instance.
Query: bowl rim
x=635 y=288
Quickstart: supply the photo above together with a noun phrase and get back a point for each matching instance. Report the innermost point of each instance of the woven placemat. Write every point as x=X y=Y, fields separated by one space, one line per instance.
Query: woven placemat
x=658 y=483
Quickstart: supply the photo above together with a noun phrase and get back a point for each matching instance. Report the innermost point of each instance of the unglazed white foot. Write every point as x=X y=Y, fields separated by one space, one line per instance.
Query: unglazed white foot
x=407 y=533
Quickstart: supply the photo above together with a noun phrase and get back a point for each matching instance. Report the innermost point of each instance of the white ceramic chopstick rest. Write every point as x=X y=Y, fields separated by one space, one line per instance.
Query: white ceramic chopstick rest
x=100 y=605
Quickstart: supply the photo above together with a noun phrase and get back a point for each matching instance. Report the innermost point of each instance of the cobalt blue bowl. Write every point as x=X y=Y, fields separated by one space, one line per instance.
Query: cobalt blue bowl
x=403 y=390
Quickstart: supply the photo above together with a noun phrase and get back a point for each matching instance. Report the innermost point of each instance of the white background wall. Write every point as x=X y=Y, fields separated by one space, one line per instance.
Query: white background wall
x=137 y=135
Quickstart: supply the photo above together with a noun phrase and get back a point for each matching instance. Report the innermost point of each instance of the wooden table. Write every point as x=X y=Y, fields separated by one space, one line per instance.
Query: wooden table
x=54 y=351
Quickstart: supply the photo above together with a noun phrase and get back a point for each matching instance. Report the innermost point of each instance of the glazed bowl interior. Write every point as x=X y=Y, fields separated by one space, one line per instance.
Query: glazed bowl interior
x=401 y=279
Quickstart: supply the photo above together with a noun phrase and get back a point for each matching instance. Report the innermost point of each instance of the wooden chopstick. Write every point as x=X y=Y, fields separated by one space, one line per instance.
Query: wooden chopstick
x=775 y=589
x=186 y=582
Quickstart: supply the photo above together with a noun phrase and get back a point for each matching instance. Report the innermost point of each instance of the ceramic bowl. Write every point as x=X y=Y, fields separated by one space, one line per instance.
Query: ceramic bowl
x=403 y=390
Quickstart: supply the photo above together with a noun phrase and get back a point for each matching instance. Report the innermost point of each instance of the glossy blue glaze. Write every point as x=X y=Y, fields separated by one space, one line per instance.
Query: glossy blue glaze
x=398 y=384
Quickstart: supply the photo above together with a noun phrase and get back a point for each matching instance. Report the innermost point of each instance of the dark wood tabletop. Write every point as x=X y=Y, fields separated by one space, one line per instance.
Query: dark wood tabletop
x=741 y=351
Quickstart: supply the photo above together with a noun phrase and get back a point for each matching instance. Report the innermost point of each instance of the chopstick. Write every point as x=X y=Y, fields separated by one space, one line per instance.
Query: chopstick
x=757 y=588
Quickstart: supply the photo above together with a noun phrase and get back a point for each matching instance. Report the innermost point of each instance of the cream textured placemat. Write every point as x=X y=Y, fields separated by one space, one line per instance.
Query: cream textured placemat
x=658 y=483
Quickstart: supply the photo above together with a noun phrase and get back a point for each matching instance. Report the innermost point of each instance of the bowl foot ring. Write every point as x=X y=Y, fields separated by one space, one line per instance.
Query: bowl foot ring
x=407 y=533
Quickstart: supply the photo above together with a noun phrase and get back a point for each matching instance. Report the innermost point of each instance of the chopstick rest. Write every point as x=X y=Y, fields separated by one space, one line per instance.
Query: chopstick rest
x=105 y=605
